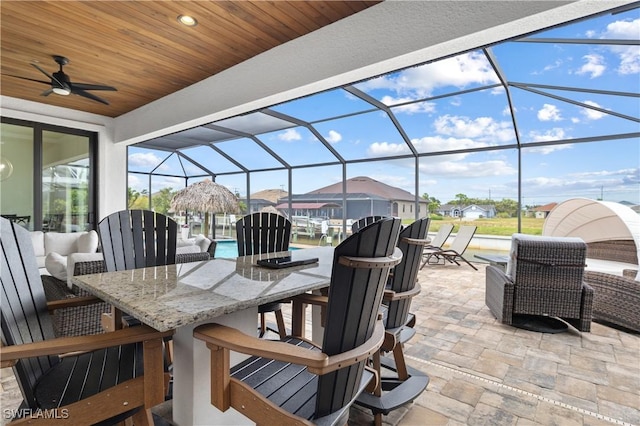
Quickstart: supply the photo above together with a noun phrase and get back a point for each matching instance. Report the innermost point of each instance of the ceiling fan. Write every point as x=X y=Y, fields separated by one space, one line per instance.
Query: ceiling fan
x=62 y=85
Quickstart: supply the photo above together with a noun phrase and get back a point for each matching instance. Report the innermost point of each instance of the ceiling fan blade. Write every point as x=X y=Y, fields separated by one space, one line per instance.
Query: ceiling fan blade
x=60 y=84
x=46 y=92
x=30 y=79
x=90 y=96
x=87 y=86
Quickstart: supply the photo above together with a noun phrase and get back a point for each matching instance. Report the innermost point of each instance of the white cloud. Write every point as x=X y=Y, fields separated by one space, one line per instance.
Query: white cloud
x=459 y=71
x=575 y=120
x=144 y=159
x=333 y=137
x=557 y=133
x=591 y=114
x=545 y=150
x=594 y=65
x=612 y=181
x=415 y=108
x=445 y=167
x=480 y=128
x=426 y=144
x=289 y=135
x=549 y=113
x=629 y=55
x=630 y=174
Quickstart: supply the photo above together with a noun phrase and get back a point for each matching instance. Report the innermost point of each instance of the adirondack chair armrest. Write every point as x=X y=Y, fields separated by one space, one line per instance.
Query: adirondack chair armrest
x=64 y=345
x=72 y=302
x=417 y=241
x=357 y=354
x=310 y=299
x=390 y=295
x=372 y=262
x=219 y=336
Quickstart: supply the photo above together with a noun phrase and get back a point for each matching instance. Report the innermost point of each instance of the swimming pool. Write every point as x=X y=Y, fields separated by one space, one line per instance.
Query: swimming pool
x=229 y=248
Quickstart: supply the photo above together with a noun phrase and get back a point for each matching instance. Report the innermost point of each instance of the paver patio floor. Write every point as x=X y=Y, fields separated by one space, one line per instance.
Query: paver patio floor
x=486 y=373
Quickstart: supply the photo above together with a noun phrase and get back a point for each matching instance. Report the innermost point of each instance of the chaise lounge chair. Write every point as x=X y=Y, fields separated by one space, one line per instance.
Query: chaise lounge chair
x=454 y=253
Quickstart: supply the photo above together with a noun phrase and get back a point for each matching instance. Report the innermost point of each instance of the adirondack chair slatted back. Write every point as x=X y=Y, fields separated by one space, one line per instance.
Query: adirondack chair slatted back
x=25 y=318
x=262 y=233
x=405 y=274
x=137 y=238
x=364 y=221
x=355 y=295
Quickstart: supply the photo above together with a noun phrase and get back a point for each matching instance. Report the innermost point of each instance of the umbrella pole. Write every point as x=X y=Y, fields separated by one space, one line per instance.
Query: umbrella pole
x=205 y=229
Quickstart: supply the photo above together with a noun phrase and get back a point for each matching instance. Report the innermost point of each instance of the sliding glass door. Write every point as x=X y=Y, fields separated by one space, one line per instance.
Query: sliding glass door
x=51 y=185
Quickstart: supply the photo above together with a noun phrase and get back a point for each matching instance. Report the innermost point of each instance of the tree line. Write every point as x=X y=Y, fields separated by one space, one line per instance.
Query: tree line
x=504 y=208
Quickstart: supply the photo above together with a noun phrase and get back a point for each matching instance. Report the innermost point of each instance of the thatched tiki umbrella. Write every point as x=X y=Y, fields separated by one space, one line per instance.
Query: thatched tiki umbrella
x=205 y=196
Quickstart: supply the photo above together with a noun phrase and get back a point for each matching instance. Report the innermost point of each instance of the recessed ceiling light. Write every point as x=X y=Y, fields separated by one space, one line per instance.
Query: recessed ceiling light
x=187 y=20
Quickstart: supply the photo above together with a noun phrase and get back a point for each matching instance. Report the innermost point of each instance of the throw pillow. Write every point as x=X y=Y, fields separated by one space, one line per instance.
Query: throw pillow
x=56 y=265
x=88 y=242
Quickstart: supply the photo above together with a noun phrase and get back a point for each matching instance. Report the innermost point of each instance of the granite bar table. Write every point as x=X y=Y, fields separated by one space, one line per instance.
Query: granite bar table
x=181 y=297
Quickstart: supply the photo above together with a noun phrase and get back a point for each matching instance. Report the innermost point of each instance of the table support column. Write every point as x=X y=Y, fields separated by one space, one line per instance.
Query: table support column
x=192 y=373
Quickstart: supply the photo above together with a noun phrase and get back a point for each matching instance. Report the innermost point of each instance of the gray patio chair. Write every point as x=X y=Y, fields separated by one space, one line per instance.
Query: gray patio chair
x=544 y=279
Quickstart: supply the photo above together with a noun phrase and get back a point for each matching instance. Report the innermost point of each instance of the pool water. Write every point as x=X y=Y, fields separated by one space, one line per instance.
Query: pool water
x=229 y=248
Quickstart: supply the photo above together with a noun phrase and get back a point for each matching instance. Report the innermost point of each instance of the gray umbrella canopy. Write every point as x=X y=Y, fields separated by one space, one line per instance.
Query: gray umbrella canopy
x=205 y=196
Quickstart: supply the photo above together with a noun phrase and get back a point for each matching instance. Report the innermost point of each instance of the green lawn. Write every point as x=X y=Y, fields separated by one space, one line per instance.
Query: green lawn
x=494 y=226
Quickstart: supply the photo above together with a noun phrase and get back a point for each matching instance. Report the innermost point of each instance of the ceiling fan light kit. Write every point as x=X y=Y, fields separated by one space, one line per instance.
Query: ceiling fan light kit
x=61 y=84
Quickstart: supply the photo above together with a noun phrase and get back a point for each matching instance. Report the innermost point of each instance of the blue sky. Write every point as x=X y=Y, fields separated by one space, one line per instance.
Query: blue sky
x=436 y=118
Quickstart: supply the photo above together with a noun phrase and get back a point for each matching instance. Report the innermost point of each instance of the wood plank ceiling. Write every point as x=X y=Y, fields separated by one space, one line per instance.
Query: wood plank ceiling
x=140 y=48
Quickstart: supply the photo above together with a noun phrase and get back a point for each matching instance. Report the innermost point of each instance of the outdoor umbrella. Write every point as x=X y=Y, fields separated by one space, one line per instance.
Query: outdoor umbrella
x=205 y=196
x=269 y=209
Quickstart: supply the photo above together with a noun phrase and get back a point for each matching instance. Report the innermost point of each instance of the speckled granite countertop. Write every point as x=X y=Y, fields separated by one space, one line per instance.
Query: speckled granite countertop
x=167 y=297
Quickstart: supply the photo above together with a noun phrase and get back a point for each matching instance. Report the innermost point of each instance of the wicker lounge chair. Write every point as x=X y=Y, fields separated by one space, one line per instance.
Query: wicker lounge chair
x=544 y=278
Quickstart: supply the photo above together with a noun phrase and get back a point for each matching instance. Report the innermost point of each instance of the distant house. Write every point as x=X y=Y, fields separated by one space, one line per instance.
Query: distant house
x=541 y=212
x=471 y=211
x=364 y=197
x=264 y=199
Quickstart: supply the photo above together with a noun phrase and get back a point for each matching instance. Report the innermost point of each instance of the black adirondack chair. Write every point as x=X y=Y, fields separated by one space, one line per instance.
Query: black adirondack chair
x=133 y=239
x=295 y=381
x=264 y=233
x=364 y=221
x=137 y=238
x=104 y=384
x=400 y=384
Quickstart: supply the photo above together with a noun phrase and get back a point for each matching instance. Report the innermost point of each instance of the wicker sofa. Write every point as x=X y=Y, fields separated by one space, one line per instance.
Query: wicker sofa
x=86 y=319
x=616 y=299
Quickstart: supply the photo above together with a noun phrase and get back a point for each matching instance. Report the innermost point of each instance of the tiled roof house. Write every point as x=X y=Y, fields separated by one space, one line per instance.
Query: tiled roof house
x=364 y=197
